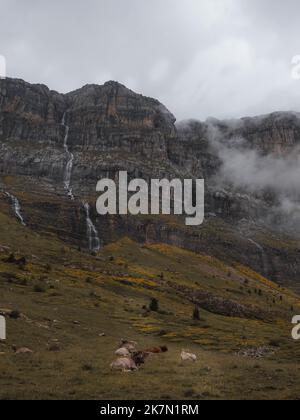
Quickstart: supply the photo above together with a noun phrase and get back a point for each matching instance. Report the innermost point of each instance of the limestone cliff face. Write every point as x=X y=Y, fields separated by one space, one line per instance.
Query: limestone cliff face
x=106 y=123
x=191 y=151
x=110 y=128
x=29 y=112
x=275 y=134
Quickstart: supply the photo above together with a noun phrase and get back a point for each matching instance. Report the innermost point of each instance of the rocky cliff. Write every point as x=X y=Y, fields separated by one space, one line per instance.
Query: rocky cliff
x=109 y=120
x=48 y=140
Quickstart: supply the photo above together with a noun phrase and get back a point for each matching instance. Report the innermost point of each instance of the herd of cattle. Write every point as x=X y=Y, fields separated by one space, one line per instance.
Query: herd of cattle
x=130 y=359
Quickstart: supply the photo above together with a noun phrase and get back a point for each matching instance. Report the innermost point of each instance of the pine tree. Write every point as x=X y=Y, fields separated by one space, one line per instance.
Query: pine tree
x=154 y=305
x=196 y=314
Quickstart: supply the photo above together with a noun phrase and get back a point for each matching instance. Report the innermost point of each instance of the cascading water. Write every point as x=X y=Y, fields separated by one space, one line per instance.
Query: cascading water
x=246 y=233
x=16 y=207
x=70 y=161
x=264 y=257
x=92 y=233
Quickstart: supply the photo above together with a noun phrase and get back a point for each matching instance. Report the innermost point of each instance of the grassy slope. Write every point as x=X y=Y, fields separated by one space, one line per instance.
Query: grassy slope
x=107 y=295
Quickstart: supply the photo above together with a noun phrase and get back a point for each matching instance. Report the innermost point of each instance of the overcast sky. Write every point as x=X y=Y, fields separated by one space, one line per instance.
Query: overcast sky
x=222 y=58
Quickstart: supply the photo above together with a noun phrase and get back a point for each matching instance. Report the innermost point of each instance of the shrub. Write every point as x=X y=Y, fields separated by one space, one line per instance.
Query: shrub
x=11 y=259
x=48 y=268
x=14 y=315
x=39 y=289
x=196 y=314
x=154 y=306
x=274 y=343
x=87 y=367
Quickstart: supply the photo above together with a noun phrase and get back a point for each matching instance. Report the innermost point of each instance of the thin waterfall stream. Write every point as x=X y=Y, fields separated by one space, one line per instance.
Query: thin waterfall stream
x=16 y=207
x=92 y=233
x=70 y=159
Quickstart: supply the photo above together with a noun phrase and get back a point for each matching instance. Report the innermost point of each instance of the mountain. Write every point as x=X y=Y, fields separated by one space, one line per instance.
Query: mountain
x=73 y=284
x=110 y=128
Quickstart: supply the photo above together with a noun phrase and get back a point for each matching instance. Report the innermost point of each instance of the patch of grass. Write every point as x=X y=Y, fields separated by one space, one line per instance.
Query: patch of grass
x=82 y=297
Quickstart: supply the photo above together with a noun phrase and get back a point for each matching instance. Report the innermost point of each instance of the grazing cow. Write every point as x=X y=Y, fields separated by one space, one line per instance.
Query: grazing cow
x=123 y=352
x=139 y=357
x=188 y=357
x=124 y=364
x=157 y=350
x=22 y=350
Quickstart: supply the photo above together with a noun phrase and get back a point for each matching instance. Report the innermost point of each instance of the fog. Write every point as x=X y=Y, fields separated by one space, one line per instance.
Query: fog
x=273 y=178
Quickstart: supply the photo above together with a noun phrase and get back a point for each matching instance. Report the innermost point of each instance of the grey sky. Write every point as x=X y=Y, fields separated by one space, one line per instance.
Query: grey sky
x=222 y=58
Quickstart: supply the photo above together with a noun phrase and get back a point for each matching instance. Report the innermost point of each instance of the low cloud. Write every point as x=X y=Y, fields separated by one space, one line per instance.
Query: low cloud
x=273 y=179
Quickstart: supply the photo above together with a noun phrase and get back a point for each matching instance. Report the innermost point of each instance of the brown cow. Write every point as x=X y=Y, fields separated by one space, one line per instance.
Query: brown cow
x=157 y=350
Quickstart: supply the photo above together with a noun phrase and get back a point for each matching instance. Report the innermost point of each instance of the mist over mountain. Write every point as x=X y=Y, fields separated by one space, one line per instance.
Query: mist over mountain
x=259 y=157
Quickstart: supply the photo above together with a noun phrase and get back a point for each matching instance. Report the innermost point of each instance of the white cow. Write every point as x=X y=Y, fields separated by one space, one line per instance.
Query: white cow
x=124 y=364
x=129 y=345
x=188 y=357
x=123 y=352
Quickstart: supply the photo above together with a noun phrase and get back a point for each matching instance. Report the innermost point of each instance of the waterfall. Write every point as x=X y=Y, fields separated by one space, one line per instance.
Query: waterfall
x=16 y=207
x=70 y=161
x=92 y=233
x=264 y=257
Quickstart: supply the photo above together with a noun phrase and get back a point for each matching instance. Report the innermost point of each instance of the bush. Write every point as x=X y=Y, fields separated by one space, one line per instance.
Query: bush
x=14 y=315
x=87 y=367
x=48 y=268
x=274 y=343
x=196 y=314
x=154 y=306
x=11 y=259
x=39 y=289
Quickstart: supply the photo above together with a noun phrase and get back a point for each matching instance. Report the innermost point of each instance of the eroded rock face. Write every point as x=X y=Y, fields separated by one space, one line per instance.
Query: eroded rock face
x=275 y=134
x=107 y=119
x=111 y=127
